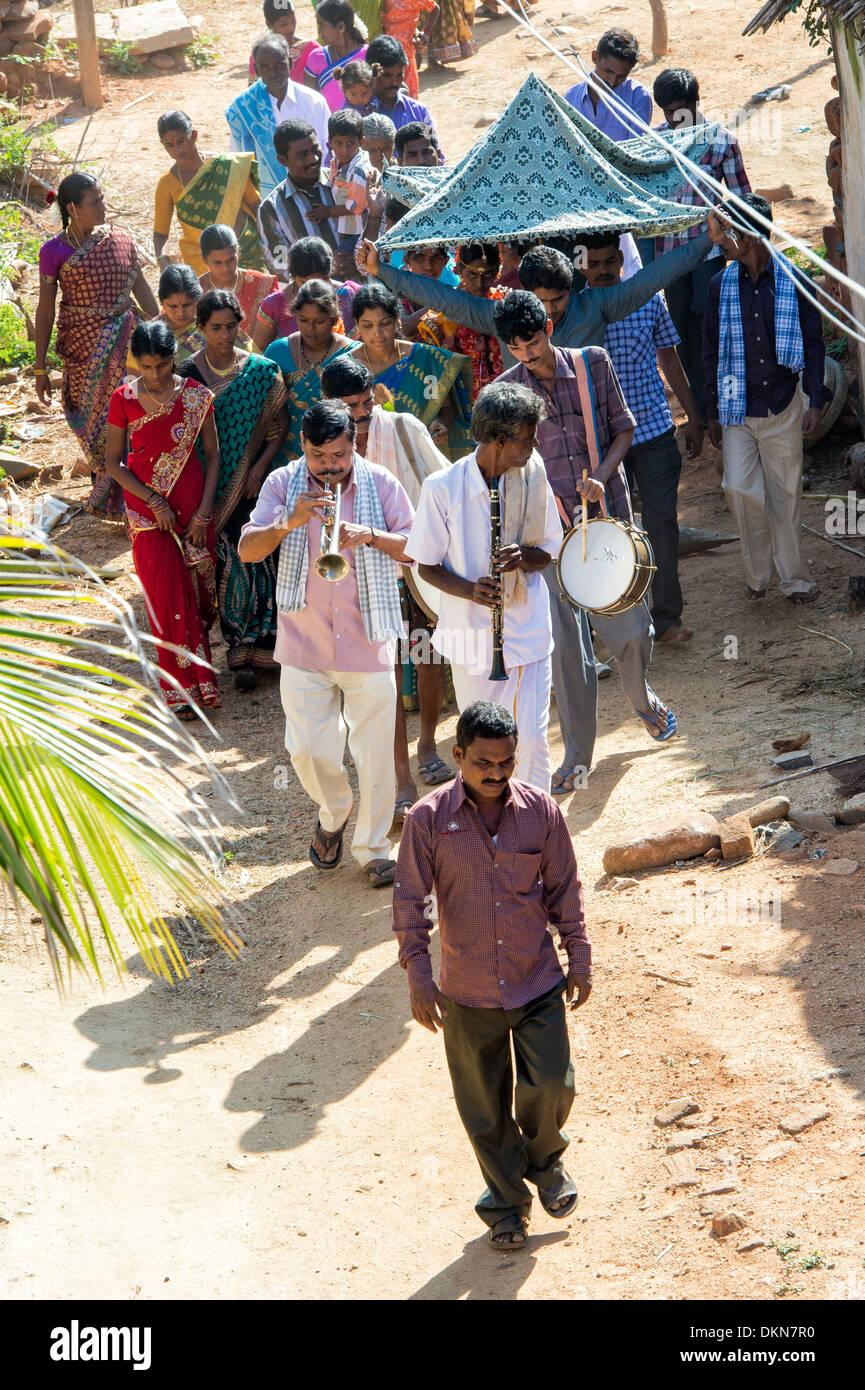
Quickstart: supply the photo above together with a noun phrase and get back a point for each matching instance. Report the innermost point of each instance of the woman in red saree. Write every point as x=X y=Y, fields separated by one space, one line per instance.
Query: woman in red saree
x=98 y=270
x=155 y=421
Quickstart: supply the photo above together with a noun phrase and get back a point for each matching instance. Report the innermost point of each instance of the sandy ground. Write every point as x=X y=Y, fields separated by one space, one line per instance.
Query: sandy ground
x=279 y=1128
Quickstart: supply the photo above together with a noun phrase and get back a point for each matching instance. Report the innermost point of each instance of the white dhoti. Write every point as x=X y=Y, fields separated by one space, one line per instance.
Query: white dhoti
x=526 y=695
x=315 y=734
x=763 y=483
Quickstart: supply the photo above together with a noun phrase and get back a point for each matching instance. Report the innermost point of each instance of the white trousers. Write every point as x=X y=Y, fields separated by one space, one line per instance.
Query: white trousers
x=315 y=734
x=763 y=482
x=526 y=695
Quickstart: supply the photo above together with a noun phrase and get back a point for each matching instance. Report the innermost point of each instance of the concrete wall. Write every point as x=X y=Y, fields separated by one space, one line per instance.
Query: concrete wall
x=850 y=66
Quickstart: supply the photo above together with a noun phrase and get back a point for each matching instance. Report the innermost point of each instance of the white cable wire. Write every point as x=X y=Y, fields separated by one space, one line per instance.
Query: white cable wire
x=688 y=169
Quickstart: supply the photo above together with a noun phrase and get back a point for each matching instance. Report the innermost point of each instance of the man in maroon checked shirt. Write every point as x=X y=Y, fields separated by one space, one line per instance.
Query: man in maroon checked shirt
x=497 y=855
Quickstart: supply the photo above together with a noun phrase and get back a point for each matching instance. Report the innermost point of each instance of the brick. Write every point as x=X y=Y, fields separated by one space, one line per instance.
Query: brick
x=737 y=837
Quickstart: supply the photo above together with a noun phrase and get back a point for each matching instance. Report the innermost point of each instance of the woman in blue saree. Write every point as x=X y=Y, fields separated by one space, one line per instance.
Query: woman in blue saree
x=302 y=355
x=423 y=380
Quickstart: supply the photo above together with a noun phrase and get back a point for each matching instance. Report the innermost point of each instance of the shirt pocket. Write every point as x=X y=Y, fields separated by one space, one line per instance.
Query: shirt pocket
x=520 y=871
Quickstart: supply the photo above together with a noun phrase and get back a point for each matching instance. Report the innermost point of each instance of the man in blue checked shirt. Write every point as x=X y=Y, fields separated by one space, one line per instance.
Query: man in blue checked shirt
x=653 y=463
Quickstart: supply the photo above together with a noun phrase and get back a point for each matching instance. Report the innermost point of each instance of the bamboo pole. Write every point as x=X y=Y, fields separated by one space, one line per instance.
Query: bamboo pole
x=88 y=54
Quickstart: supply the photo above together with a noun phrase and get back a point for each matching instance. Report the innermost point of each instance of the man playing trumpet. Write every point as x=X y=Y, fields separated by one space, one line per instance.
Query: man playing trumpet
x=450 y=540
x=337 y=637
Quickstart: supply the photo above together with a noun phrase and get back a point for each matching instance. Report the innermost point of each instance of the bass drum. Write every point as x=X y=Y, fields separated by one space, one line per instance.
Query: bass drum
x=425 y=595
x=617 y=571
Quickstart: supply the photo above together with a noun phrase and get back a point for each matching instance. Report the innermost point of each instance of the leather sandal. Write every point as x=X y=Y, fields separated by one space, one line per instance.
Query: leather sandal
x=514 y=1225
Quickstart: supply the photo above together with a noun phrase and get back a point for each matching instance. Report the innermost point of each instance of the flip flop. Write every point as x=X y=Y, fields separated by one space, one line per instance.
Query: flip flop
x=510 y=1225
x=435 y=772
x=403 y=804
x=381 y=875
x=807 y=597
x=653 y=724
x=329 y=839
x=564 y=773
x=564 y=1187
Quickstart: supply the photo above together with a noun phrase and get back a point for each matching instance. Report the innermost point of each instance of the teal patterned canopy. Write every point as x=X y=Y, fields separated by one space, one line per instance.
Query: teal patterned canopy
x=543 y=170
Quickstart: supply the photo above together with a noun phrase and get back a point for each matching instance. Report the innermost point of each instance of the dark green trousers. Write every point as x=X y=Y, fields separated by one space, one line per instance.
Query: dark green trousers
x=515 y=1128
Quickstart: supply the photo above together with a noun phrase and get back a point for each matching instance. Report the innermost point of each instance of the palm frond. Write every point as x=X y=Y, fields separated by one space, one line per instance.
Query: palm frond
x=93 y=806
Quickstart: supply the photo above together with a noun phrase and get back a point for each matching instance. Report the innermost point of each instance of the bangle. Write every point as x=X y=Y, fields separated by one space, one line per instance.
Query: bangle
x=373 y=537
x=156 y=502
x=202 y=520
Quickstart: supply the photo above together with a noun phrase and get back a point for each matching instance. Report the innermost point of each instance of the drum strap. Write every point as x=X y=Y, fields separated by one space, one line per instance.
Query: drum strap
x=586 y=393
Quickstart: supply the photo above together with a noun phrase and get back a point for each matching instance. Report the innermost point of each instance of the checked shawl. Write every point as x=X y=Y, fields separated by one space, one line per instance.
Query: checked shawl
x=789 y=347
x=543 y=170
x=375 y=572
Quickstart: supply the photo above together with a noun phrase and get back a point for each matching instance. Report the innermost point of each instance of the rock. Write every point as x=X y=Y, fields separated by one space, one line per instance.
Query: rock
x=165 y=61
x=663 y=842
x=21 y=9
x=691 y=1139
x=813 y=822
x=719 y=1190
x=681 y=1171
x=676 y=1110
x=788 y=762
x=779 y=1149
x=788 y=839
x=832 y=113
x=695 y=1121
x=750 y=1245
x=803 y=1118
x=776 y=808
x=726 y=1222
x=853 y=810
x=737 y=837
x=712 y=854
x=28 y=30
x=830 y=1074
x=841 y=867
x=791 y=745
x=64 y=31
x=153 y=27
x=485 y=118
x=621 y=885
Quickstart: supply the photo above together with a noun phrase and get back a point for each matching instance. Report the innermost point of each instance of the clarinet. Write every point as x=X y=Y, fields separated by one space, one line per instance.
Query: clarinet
x=497 y=670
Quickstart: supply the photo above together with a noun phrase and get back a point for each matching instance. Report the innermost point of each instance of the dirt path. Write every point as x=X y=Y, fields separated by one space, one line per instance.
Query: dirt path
x=279 y=1128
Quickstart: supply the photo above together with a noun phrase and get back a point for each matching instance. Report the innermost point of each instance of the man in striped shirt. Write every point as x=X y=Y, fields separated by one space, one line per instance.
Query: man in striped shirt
x=496 y=856
x=677 y=92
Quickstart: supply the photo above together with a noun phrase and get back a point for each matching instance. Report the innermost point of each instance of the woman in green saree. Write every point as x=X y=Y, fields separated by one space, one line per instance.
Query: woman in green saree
x=203 y=190
x=249 y=410
x=426 y=381
x=302 y=355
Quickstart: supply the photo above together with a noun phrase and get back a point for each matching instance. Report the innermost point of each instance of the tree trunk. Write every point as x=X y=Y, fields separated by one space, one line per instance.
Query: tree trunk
x=850 y=67
x=660 y=37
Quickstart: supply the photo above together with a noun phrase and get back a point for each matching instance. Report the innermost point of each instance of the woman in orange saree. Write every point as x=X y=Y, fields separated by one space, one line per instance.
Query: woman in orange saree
x=98 y=269
x=155 y=421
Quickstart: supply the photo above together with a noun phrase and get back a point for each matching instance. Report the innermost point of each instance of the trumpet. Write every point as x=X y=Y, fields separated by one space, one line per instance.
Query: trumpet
x=330 y=563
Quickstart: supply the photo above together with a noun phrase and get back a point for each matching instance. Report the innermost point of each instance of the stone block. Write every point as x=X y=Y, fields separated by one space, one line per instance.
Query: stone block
x=737 y=837
x=21 y=9
x=803 y=1118
x=726 y=1222
x=153 y=27
x=29 y=30
x=64 y=31
x=775 y=808
x=812 y=822
x=663 y=842
x=832 y=113
x=853 y=810
x=676 y=1110
x=788 y=762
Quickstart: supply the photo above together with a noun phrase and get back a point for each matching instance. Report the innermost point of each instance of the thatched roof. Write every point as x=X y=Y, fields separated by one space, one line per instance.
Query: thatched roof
x=845 y=11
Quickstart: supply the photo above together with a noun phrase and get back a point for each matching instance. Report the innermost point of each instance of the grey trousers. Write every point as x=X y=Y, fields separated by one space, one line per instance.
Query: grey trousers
x=629 y=637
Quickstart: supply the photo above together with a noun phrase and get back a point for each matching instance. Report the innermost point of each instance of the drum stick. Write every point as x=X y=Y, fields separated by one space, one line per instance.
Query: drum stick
x=585 y=514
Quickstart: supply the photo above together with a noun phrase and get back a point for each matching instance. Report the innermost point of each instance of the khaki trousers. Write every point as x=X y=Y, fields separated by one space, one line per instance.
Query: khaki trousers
x=763 y=482
x=315 y=734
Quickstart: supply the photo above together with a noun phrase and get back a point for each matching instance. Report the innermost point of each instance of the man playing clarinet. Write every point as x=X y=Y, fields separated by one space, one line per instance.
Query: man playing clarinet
x=498 y=857
x=492 y=583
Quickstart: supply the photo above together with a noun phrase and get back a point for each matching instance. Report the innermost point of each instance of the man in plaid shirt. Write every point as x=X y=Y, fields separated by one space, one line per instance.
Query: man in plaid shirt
x=637 y=344
x=495 y=855
x=677 y=92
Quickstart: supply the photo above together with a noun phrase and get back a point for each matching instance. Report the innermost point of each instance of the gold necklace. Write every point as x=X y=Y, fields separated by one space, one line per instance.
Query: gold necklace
x=161 y=405
x=220 y=371
x=306 y=361
x=72 y=238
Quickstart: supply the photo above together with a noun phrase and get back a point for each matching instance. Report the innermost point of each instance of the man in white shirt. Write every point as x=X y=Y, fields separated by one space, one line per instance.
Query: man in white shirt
x=254 y=115
x=450 y=541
